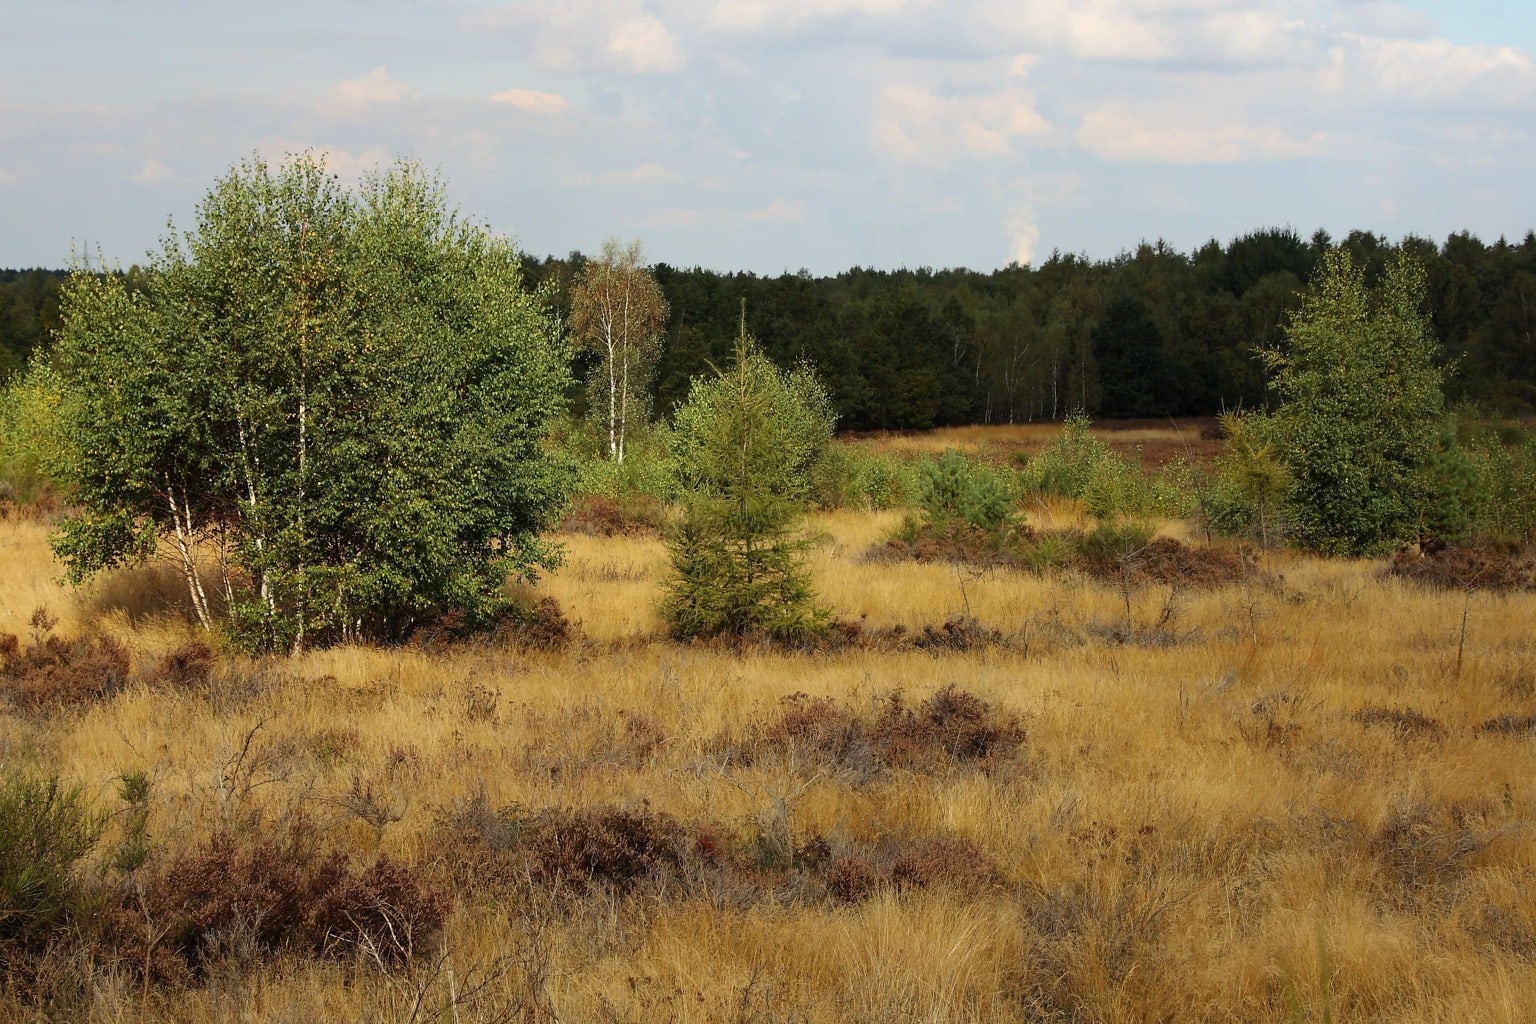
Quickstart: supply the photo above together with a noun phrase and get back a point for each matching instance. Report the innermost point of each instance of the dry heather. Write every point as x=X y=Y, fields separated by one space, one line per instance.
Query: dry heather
x=1306 y=795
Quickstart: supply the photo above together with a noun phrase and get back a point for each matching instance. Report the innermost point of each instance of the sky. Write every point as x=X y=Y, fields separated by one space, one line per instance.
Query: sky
x=780 y=135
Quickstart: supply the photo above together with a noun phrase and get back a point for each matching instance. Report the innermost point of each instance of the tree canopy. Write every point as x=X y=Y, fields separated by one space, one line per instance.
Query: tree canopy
x=335 y=397
x=744 y=445
x=1360 y=404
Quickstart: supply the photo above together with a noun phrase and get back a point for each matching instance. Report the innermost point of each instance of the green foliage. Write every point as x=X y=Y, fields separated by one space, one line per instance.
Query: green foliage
x=1110 y=485
x=955 y=488
x=1066 y=466
x=32 y=445
x=45 y=828
x=1360 y=406
x=1113 y=541
x=745 y=444
x=646 y=470
x=848 y=476
x=1480 y=488
x=1174 y=491
x=344 y=394
x=1245 y=496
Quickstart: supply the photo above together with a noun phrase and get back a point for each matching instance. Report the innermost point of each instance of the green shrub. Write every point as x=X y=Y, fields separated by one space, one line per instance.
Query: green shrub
x=953 y=487
x=1175 y=490
x=1360 y=404
x=1246 y=494
x=1117 y=487
x=46 y=826
x=1110 y=542
x=1110 y=485
x=745 y=444
x=847 y=476
x=1066 y=465
x=31 y=442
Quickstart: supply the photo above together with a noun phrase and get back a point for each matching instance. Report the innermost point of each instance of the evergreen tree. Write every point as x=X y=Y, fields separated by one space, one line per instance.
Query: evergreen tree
x=1360 y=405
x=745 y=443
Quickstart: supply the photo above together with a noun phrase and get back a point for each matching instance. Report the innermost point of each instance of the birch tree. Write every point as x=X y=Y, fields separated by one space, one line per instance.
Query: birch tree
x=618 y=312
x=330 y=403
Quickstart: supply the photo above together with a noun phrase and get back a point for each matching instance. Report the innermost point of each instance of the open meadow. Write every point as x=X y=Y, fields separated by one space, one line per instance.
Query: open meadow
x=1305 y=793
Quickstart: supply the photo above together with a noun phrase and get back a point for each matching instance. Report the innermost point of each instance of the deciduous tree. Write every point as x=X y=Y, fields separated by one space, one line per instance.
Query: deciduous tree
x=336 y=398
x=618 y=312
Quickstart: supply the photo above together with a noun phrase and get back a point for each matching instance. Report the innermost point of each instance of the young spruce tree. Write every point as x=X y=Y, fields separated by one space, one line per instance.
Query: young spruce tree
x=744 y=444
x=1360 y=406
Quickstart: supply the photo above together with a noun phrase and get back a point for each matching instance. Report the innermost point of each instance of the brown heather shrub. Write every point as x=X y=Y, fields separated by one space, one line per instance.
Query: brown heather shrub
x=52 y=673
x=539 y=626
x=1510 y=725
x=851 y=879
x=951 y=728
x=268 y=894
x=951 y=861
x=956 y=541
x=1498 y=567
x=1424 y=849
x=1165 y=561
x=1405 y=723
x=958 y=635
x=574 y=850
x=1161 y=560
x=190 y=665
x=596 y=515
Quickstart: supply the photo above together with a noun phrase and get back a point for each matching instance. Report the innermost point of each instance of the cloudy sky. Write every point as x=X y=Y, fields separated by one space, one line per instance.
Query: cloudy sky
x=780 y=134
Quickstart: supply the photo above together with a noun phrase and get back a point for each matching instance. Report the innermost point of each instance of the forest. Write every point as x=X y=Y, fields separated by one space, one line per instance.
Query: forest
x=1154 y=332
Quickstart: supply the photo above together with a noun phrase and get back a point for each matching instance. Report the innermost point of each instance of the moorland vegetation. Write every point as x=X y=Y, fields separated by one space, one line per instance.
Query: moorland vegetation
x=485 y=710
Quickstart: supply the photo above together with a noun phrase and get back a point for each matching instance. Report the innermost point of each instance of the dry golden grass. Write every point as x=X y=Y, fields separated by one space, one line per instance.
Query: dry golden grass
x=1155 y=442
x=1198 y=827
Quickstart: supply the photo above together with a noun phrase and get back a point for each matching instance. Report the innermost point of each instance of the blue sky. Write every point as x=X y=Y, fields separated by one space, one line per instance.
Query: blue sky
x=773 y=135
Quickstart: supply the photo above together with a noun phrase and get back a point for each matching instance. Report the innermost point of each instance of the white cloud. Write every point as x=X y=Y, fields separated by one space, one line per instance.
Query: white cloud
x=778 y=17
x=1167 y=136
x=1437 y=72
x=644 y=46
x=532 y=100
x=154 y=172
x=643 y=175
x=677 y=217
x=779 y=211
x=8 y=177
x=580 y=36
x=350 y=166
x=374 y=89
x=915 y=125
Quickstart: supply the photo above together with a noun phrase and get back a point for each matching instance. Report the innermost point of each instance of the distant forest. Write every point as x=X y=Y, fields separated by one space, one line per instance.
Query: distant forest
x=1151 y=333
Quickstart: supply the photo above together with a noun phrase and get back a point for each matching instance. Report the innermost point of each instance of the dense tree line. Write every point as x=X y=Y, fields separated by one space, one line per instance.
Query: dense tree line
x=1152 y=332
x=29 y=314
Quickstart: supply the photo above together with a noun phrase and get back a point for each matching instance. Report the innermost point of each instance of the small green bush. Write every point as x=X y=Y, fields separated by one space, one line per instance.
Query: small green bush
x=1110 y=485
x=745 y=444
x=31 y=442
x=1113 y=541
x=1246 y=494
x=46 y=826
x=847 y=476
x=646 y=472
x=1066 y=465
x=1117 y=487
x=953 y=487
